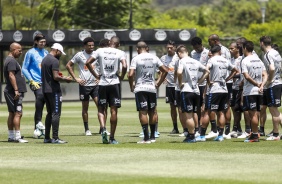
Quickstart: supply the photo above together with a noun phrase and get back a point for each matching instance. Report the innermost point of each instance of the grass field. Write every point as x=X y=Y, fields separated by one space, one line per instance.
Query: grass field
x=87 y=160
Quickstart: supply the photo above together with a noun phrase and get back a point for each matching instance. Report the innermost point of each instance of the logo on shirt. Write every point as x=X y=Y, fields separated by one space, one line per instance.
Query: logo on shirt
x=109 y=68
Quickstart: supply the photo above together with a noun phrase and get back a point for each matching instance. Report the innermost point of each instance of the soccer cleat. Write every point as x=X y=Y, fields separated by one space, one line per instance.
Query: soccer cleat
x=144 y=142
x=188 y=140
x=113 y=141
x=270 y=134
x=105 y=137
x=228 y=136
x=153 y=140
x=211 y=135
x=174 y=131
x=108 y=133
x=58 y=141
x=157 y=135
x=197 y=134
x=47 y=141
x=234 y=134
x=243 y=136
x=141 y=133
x=88 y=133
x=184 y=134
x=273 y=138
x=20 y=141
x=11 y=140
x=40 y=126
x=201 y=139
x=219 y=138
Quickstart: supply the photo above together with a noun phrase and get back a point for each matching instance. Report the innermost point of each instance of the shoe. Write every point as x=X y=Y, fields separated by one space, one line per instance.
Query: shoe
x=153 y=140
x=174 y=131
x=105 y=137
x=270 y=134
x=108 y=133
x=234 y=134
x=201 y=139
x=11 y=140
x=88 y=133
x=58 y=141
x=157 y=135
x=244 y=135
x=142 y=133
x=113 y=141
x=20 y=141
x=184 y=134
x=144 y=142
x=272 y=138
x=219 y=138
x=40 y=126
x=187 y=140
x=228 y=136
x=47 y=141
x=197 y=134
x=211 y=135
x=252 y=139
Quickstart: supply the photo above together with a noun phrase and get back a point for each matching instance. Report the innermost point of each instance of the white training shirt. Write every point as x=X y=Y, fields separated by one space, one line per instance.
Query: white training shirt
x=218 y=73
x=169 y=62
x=203 y=58
x=254 y=67
x=272 y=57
x=237 y=63
x=80 y=58
x=190 y=72
x=176 y=60
x=109 y=60
x=145 y=65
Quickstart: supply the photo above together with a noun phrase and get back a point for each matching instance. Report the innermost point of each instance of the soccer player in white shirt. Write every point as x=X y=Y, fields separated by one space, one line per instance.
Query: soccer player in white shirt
x=254 y=80
x=272 y=61
x=142 y=82
x=188 y=79
x=109 y=60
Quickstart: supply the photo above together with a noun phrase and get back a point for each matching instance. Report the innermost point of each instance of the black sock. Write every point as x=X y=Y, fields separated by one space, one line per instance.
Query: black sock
x=112 y=138
x=220 y=131
x=203 y=131
x=175 y=127
x=213 y=126
x=261 y=129
x=275 y=134
x=190 y=136
x=255 y=135
x=185 y=129
x=153 y=129
x=227 y=128
x=157 y=125
x=248 y=128
x=86 y=126
x=196 y=129
x=234 y=128
x=146 y=132
x=239 y=128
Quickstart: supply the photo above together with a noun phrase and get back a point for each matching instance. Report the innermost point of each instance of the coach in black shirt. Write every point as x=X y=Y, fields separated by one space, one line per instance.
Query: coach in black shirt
x=14 y=92
x=52 y=92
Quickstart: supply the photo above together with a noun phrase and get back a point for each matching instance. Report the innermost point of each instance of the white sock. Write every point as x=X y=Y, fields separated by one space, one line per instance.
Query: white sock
x=11 y=134
x=18 y=134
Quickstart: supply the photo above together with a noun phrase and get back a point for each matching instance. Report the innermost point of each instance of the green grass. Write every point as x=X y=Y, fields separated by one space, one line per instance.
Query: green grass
x=87 y=160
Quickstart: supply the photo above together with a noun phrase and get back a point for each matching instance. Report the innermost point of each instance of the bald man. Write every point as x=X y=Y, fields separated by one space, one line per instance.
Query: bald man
x=14 y=92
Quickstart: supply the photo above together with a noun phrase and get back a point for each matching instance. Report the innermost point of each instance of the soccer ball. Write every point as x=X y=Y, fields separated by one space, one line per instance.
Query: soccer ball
x=37 y=134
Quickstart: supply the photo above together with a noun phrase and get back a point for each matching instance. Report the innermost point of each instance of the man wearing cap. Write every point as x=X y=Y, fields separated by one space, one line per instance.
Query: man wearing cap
x=52 y=92
x=32 y=71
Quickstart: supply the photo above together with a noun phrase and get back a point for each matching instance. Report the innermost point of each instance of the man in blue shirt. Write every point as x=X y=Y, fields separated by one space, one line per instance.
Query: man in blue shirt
x=32 y=71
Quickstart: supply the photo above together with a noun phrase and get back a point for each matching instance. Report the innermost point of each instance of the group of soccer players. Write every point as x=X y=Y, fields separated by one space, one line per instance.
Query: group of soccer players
x=204 y=86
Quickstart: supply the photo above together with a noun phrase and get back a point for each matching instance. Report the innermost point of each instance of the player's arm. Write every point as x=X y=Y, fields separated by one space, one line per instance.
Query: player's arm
x=69 y=67
x=264 y=80
x=271 y=73
x=162 y=77
x=57 y=77
x=233 y=72
x=204 y=76
x=179 y=76
x=131 y=75
x=88 y=64
x=13 y=81
x=250 y=79
x=124 y=69
x=25 y=66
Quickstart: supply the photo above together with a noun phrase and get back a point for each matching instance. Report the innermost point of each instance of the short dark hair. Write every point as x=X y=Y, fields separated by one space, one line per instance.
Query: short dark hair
x=249 y=46
x=87 y=39
x=181 y=48
x=215 y=49
x=104 y=43
x=170 y=42
x=266 y=40
x=196 y=41
x=141 y=45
